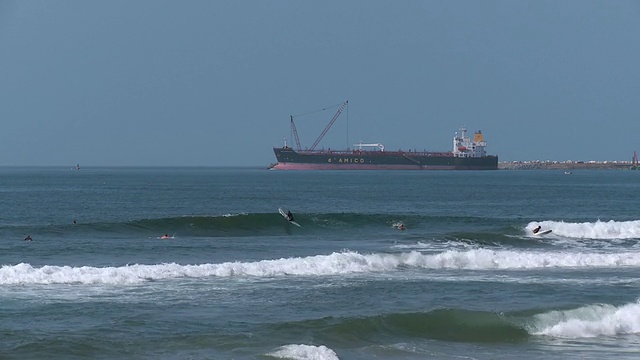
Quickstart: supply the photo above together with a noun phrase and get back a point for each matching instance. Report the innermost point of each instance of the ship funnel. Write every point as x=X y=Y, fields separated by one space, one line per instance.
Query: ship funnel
x=478 y=136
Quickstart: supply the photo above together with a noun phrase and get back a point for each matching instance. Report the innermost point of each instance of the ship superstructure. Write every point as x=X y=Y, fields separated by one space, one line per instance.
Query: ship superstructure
x=463 y=146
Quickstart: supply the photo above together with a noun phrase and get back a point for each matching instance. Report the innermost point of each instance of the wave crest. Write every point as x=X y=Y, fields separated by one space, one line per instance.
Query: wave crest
x=589 y=321
x=341 y=263
x=591 y=230
x=304 y=352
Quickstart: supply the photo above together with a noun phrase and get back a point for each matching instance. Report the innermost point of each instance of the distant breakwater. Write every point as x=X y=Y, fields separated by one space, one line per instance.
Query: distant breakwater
x=578 y=165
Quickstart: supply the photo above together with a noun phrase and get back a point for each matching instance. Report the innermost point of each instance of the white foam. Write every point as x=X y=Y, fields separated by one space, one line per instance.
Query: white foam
x=589 y=321
x=231 y=215
x=591 y=230
x=305 y=352
x=484 y=259
x=434 y=246
x=342 y=263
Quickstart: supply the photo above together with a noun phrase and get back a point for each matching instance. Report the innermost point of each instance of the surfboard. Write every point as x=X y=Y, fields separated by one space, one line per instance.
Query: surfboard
x=284 y=215
x=543 y=232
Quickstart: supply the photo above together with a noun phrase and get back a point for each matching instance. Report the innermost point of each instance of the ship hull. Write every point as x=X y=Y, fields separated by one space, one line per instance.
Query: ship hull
x=289 y=159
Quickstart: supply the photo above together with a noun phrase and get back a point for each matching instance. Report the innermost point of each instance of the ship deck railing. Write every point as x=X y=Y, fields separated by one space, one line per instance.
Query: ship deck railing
x=375 y=152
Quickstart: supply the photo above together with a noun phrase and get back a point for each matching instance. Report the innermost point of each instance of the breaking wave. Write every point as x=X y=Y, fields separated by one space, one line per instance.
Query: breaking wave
x=591 y=230
x=339 y=263
x=304 y=352
x=462 y=325
x=589 y=321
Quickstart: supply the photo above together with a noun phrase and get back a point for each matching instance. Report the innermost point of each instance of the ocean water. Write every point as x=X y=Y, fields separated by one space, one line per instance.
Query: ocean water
x=467 y=279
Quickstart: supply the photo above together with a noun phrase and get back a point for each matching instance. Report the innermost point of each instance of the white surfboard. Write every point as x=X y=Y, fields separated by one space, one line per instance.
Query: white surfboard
x=284 y=215
x=543 y=232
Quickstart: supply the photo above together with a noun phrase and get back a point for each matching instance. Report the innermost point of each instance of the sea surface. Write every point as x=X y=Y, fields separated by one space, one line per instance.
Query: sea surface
x=467 y=279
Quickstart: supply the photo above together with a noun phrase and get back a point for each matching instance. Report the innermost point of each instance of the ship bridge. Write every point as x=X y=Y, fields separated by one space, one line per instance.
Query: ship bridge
x=463 y=146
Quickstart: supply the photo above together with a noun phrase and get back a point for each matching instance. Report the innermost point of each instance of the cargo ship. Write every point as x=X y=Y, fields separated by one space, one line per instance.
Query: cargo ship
x=467 y=154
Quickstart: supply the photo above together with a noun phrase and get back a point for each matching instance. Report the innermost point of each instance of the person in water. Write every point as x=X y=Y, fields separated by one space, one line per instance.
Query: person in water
x=537 y=229
x=289 y=215
x=28 y=238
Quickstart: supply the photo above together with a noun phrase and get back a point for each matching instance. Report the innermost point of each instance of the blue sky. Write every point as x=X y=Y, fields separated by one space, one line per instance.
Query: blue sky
x=213 y=83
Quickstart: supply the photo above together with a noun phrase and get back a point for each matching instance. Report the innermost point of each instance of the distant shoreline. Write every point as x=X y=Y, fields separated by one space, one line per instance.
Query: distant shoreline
x=540 y=165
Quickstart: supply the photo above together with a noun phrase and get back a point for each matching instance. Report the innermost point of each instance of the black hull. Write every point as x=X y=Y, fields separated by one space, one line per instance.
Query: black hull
x=289 y=159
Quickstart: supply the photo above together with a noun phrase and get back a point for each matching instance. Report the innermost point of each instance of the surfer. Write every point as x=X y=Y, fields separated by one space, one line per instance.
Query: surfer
x=165 y=236
x=537 y=229
x=288 y=216
x=399 y=226
x=28 y=238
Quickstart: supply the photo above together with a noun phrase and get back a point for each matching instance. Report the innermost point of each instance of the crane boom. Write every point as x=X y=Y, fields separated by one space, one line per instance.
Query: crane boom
x=295 y=133
x=328 y=125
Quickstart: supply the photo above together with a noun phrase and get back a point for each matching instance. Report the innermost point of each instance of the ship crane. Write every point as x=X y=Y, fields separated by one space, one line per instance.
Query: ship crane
x=329 y=125
x=295 y=131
